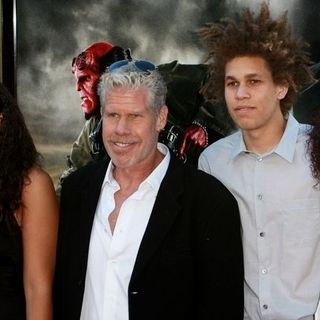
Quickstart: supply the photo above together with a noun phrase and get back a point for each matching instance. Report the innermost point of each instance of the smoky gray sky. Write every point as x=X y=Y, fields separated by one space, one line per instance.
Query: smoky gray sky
x=51 y=33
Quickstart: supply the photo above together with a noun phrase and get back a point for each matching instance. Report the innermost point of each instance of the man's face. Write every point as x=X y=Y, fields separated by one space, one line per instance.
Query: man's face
x=252 y=98
x=86 y=85
x=131 y=129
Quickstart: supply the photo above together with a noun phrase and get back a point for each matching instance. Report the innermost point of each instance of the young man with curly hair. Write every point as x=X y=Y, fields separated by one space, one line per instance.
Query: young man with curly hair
x=257 y=67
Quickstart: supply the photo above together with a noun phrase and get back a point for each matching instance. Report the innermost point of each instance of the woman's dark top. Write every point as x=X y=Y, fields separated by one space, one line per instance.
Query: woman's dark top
x=12 y=299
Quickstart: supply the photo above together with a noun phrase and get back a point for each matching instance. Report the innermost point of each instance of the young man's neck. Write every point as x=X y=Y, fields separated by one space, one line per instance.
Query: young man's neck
x=264 y=139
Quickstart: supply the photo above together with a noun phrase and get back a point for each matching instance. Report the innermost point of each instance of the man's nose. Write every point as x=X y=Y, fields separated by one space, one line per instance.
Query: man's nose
x=123 y=126
x=242 y=92
x=78 y=86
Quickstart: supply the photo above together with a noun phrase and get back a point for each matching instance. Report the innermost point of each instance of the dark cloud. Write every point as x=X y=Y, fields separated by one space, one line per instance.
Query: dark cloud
x=51 y=33
x=306 y=23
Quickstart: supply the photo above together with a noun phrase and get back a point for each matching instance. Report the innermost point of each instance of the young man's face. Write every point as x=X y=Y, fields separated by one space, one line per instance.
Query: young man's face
x=86 y=85
x=131 y=129
x=252 y=98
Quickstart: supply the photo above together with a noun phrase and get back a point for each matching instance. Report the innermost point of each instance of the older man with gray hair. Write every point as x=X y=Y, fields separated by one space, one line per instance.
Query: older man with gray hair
x=143 y=236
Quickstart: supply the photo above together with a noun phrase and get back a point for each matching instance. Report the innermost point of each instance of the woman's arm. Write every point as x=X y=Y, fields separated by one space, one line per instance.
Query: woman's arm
x=39 y=219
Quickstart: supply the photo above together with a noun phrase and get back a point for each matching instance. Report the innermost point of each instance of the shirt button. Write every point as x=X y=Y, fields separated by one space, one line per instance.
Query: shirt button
x=265 y=306
x=262 y=234
x=259 y=196
x=264 y=271
x=259 y=159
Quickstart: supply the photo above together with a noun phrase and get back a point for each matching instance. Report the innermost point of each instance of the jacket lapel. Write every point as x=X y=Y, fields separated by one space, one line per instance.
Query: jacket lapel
x=88 y=204
x=163 y=215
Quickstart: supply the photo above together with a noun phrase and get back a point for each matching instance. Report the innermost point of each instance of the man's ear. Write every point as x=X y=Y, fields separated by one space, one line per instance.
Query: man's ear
x=282 y=90
x=162 y=118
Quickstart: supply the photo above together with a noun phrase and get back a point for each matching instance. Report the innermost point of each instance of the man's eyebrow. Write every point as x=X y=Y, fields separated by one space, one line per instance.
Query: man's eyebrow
x=248 y=76
x=229 y=77
x=83 y=76
x=252 y=75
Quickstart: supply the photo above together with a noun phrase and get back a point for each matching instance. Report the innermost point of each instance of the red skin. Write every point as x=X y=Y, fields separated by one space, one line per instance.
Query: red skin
x=87 y=70
x=86 y=85
x=194 y=136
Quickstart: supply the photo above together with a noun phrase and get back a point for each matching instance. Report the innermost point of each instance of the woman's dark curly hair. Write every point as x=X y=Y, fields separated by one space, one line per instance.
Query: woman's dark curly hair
x=314 y=147
x=18 y=154
x=256 y=35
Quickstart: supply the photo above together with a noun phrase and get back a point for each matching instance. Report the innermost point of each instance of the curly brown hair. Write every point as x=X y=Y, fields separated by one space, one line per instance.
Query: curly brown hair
x=256 y=35
x=18 y=155
x=314 y=147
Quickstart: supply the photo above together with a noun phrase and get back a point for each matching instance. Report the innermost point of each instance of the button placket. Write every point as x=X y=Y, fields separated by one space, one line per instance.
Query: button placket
x=261 y=222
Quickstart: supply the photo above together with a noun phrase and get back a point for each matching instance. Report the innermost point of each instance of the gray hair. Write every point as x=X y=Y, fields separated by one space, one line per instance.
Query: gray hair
x=131 y=77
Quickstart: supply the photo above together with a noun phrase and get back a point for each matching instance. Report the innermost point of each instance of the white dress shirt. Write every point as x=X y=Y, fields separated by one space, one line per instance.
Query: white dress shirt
x=280 y=215
x=111 y=257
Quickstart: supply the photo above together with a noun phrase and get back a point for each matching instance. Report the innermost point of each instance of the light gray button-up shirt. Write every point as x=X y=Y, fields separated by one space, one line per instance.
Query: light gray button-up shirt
x=280 y=214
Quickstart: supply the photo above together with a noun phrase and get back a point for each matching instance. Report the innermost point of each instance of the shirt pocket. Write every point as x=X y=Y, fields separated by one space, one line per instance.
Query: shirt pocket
x=301 y=224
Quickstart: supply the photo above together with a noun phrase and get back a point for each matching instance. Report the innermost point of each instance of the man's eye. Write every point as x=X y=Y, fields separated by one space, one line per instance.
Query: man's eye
x=231 y=83
x=112 y=115
x=84 y=78
x=254 y=81
x=134 y=116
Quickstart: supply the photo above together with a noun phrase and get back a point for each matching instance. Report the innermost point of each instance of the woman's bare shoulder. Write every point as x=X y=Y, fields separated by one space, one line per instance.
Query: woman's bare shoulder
x=38 y=177
x=38 y=183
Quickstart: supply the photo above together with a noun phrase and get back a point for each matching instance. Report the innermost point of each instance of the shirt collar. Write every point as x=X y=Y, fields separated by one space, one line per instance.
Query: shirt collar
x=287 y=144
x=285 y=148
x=238 y=145
x=108 y=179
x=154 y=179
x=156 y=176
